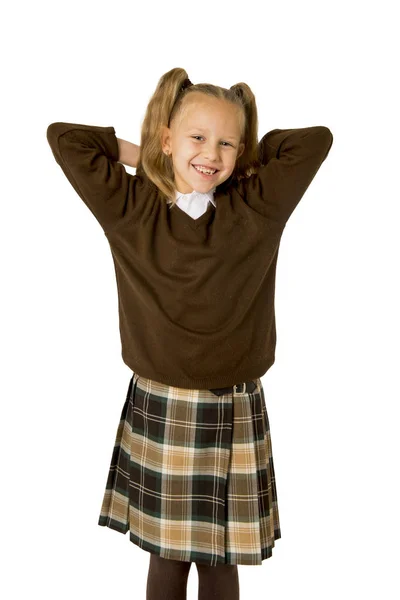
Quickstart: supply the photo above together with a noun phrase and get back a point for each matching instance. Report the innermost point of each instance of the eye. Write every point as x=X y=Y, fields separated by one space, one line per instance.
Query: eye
x=198 y=136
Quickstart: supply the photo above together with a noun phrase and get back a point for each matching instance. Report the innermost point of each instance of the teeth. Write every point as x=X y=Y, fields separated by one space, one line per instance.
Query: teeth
x=208 y=171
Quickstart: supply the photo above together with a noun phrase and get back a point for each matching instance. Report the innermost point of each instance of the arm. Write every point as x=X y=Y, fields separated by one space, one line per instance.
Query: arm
x=128 y=153
x=290 y=160
x=88 y=155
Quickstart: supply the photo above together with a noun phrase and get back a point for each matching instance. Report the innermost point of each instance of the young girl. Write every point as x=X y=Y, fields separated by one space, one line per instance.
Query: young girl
x=194 y=237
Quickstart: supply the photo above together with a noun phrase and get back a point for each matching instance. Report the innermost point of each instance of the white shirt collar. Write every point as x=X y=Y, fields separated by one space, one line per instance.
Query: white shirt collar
x=197 y=195
x=195 y=203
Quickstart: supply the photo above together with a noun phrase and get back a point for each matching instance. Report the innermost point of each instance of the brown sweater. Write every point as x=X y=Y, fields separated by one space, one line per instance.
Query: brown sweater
x=195 y=297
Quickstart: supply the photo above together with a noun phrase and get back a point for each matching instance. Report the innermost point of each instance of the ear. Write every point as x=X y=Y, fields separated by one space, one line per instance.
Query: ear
x=165 y=139
x=240 y=151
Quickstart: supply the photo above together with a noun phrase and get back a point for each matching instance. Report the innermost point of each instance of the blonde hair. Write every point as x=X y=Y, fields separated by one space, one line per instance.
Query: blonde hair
x=166 y=103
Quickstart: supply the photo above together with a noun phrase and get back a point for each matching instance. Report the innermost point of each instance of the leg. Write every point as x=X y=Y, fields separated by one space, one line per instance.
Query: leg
x=167 y=579
x=218 y=583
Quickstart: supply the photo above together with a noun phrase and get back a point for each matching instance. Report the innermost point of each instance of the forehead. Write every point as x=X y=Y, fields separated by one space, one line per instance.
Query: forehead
x=210 y=115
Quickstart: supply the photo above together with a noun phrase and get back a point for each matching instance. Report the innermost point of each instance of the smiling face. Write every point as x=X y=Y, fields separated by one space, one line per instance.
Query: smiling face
x=206 y=132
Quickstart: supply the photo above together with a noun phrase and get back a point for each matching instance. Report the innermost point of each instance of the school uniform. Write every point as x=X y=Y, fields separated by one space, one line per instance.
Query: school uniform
x=192 y=473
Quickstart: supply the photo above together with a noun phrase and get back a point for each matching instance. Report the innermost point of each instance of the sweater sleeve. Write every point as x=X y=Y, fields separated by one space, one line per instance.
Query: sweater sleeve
x=88 y=156
x=290 y=159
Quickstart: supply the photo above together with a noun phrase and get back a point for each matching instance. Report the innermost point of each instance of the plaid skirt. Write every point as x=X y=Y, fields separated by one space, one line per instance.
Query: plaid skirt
x=192 y=475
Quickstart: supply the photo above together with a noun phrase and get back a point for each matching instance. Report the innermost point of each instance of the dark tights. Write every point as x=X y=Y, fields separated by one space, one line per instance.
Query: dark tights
x=167 y=580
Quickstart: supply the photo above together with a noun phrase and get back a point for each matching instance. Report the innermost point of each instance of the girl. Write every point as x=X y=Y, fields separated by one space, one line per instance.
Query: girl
x=194 y=237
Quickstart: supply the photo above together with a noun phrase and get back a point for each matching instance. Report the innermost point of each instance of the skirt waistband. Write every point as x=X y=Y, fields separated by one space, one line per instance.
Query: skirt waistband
x=248 y=388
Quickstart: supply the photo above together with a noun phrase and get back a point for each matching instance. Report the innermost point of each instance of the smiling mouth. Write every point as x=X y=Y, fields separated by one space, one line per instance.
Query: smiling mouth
x=215 y=171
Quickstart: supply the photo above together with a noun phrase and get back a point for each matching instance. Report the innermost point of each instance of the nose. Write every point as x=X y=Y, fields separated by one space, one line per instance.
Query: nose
x=211 y=154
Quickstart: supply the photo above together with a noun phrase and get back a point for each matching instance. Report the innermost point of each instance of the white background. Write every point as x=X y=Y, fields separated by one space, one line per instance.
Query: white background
x=332 y=395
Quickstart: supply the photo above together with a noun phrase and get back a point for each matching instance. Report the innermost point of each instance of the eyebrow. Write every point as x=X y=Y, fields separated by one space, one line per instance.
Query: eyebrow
x=228 y=137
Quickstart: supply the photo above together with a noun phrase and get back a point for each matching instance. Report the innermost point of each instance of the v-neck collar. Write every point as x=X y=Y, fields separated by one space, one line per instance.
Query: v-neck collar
x=194 y=223
x=211 y=205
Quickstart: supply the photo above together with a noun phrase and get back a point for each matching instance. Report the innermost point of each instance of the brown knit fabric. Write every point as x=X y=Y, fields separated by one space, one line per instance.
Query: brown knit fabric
x=195 y=297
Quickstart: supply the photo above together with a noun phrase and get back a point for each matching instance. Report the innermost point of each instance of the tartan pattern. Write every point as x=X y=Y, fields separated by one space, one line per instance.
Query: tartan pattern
x=192 y=475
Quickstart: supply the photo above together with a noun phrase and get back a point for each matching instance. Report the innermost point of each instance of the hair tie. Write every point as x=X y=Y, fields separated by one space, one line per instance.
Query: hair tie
x=187 y=83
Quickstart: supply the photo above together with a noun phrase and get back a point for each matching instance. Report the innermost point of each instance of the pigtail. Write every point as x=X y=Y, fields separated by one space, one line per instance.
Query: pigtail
x=248 y=162
x=161 y=108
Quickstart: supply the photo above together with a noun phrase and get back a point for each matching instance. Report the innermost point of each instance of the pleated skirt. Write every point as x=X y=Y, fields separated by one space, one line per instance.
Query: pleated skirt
x=192 y=475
